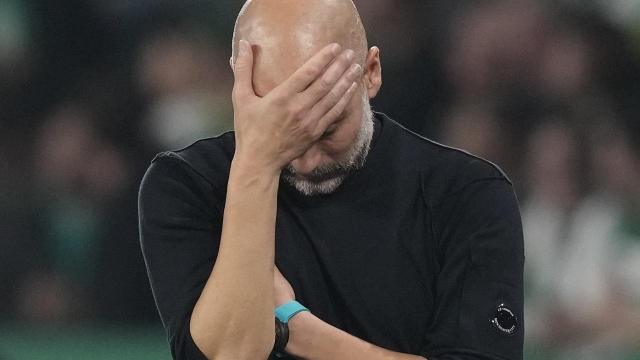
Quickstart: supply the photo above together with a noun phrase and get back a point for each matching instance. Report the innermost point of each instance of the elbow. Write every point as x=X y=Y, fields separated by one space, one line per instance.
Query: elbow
x=227 y=346
x=241 y=356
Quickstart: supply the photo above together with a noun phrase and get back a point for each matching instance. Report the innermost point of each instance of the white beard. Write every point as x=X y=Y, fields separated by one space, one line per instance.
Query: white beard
x=333 y=175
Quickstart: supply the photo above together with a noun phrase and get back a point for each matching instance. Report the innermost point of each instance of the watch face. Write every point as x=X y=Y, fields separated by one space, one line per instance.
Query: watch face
x=282 y=336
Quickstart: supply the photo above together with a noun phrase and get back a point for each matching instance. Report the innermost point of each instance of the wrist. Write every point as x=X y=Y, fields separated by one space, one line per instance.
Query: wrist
x=250 y=162
x=246 y=171
x=302 y=330
x=284 y=313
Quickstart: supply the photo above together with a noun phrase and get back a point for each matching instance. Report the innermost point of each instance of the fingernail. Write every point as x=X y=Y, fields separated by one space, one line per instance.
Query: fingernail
x=243 y=47
x=351 y=55
x=355 y=69
x=335 y=49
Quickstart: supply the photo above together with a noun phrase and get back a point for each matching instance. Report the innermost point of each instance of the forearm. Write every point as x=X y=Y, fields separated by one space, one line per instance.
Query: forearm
x=233 y=318
x=313 y=339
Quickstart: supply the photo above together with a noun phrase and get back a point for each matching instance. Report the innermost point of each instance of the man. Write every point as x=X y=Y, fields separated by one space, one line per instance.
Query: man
x=400 y=248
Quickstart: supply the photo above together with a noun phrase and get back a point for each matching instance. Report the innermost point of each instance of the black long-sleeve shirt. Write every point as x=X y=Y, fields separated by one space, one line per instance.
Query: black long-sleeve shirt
x=419 y=252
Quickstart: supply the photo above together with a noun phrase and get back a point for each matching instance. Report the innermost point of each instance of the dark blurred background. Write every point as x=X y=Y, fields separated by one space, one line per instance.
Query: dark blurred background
x=90 y=90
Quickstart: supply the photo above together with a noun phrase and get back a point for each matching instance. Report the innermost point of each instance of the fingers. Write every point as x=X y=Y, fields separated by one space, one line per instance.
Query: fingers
x=332 y=114
x=309 y=72
x=332 y=75
x=331 y=106
x=243 y=72
x=330 y=93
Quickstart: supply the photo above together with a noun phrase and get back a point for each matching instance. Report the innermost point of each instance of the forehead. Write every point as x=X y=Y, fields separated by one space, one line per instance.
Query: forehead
x=278 y=53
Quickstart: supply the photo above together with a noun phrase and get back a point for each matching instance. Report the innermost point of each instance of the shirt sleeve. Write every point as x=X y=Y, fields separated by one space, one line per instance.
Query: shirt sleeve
x=479 y=301
x=180 y=235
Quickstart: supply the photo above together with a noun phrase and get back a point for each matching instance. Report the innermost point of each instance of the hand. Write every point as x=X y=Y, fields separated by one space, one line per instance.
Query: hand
x=283 y=291
x=274 y=130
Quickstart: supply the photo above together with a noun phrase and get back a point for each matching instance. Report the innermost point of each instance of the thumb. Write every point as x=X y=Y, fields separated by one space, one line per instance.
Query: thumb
x=243 y=72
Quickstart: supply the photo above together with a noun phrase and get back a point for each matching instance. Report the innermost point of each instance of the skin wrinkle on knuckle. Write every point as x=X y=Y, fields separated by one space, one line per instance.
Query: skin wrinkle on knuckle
x=326 y=82
x=308 y=123
x=277 y=98
x=312 y=71
x=296 y=109
x=334 y=96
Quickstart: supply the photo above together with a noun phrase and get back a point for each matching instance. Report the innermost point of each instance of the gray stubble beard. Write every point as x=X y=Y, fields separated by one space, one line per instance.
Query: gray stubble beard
x=336 y=172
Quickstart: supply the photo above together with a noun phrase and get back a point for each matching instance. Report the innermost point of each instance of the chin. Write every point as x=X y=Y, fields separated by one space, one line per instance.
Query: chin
x=309 y=188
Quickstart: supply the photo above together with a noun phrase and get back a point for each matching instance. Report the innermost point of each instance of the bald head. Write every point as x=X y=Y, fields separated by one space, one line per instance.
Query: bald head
x=286 y=33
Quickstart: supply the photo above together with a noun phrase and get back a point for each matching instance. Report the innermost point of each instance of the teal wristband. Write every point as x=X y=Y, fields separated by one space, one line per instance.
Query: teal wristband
x=286 y=311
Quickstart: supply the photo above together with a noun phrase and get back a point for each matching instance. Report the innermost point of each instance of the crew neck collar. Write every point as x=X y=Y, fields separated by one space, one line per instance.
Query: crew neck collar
x=358 y=178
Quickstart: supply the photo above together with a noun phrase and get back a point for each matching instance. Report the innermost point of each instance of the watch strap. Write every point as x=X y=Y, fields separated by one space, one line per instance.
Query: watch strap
x=287 y=311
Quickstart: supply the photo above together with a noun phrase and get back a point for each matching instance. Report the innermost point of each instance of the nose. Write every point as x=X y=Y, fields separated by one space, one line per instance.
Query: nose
x=308 y=161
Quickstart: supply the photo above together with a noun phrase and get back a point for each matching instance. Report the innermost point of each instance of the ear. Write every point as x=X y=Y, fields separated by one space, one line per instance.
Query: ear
x=373 y=72
x=233 y=66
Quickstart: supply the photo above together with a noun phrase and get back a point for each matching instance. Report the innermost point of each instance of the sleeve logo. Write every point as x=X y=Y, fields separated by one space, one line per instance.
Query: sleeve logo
x=504 y=320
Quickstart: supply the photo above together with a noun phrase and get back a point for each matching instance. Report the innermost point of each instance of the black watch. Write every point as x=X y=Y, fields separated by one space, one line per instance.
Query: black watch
x=282 y=337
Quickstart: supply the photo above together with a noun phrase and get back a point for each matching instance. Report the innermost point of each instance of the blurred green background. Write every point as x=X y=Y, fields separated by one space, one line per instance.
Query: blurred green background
x=86 y=342
x=91 y=90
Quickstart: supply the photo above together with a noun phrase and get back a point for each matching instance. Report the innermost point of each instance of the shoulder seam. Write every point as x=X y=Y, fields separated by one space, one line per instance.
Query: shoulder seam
x=459 y=190
x=204 y=139
x=172 y=155
x=435 y=143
